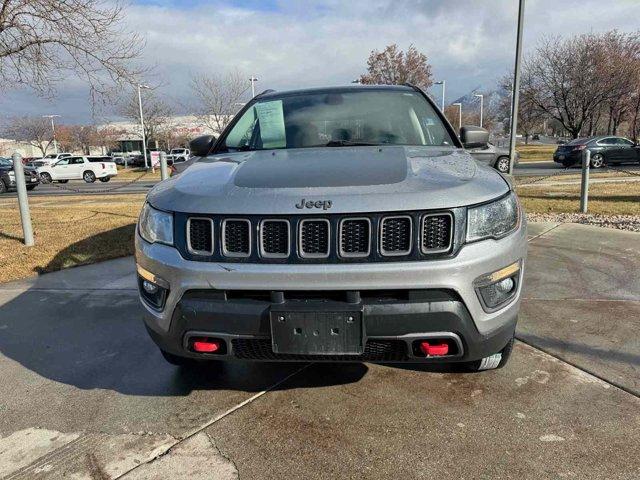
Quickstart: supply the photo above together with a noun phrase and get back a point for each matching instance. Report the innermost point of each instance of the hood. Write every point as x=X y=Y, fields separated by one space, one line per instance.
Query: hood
x=330 y=180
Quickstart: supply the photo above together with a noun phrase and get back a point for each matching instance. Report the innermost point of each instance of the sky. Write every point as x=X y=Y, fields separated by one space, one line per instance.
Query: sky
x=294 y=44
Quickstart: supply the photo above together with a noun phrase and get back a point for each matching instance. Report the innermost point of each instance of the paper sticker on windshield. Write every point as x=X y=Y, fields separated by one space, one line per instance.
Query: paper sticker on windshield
x=271 y=118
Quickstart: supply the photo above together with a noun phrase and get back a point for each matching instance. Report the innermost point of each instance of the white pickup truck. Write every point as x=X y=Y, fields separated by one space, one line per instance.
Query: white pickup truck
x=179 y=155
x=75 y=168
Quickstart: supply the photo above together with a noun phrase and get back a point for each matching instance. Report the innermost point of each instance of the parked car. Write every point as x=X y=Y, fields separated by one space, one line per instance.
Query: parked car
x=496 y=157
x=179 y=155
x=75 y=168
x=54 y=157
x=8 y=178
x=605 y=149
x=387 y=242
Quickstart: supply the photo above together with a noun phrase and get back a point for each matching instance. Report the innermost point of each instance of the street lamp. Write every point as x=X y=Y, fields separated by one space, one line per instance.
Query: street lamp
x=515 y=97
x=443 y=83
x=253 y=80
x=144 y=140
x=481 y=97
x=459 y=105
x=53 y=130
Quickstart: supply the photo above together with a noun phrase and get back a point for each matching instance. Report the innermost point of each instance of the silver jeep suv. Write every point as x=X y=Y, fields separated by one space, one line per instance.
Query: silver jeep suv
x=334 y=224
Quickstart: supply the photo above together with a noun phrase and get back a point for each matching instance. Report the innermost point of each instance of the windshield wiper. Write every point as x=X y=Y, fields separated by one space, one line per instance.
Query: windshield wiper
x=349 y=143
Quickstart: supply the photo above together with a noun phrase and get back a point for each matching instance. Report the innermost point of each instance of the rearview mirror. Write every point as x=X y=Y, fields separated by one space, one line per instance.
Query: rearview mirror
x=201 y=146
x=474 y=137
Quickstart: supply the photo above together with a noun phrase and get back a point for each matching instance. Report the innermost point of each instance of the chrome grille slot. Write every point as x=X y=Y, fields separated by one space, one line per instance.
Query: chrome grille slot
x=437 y=232
x=200 y=236
x=313 y=238
x=355 y=237
x=236 y=237
x=274 y=238
x=396 y=235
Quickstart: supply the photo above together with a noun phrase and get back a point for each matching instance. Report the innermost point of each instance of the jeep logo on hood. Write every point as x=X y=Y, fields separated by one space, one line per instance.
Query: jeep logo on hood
x=323 y=204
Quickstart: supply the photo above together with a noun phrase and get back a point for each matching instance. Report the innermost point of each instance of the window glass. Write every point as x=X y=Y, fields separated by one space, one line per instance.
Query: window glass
x=64 y=161
x=369 y=117
x=624 y=141
x=607 y=141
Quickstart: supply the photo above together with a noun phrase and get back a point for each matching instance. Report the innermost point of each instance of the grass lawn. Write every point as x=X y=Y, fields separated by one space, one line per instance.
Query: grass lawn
x=536 y=153
x=604 y=198
x=128 y=174
x=69 y=231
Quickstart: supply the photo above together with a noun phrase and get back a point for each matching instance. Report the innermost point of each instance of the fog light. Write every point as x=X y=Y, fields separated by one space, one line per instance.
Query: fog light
x=498 y=288
x=149 y=287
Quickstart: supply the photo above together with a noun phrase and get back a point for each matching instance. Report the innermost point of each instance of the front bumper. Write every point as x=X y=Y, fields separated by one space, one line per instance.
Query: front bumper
x=188 y=307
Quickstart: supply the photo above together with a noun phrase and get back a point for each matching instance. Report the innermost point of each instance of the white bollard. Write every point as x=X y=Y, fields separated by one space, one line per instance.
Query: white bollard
x=584 y=186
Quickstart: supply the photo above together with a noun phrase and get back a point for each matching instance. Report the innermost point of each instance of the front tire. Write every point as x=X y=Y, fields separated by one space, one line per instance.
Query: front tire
x=492 y=362
x=89 y=176
x=188 y=363
x=45 y=178
x=597 y=161
x=502 y=165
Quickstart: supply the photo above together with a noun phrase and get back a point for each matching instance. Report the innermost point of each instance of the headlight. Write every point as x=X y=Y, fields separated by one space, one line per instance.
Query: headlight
x=155 y=226
x=493 y=220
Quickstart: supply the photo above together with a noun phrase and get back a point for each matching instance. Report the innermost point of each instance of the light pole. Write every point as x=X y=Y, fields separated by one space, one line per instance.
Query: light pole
x=444 y=84
x=144 y=140
x=459 y=105
x=481 y=97
x=253 y=80
x=53 y=130
x=515 y=97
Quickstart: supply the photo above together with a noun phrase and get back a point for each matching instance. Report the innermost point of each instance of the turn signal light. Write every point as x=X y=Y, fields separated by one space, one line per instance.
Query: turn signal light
x=434 y=349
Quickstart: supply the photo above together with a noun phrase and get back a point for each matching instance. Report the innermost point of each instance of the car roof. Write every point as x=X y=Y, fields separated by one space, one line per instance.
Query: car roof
x=336 y=89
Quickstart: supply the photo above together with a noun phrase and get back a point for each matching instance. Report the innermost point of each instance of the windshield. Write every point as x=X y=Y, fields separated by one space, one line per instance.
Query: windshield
x=334 y=119
x=5 y=162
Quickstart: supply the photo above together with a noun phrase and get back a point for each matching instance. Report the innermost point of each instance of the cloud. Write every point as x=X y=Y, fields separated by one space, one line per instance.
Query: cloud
x=309 y=43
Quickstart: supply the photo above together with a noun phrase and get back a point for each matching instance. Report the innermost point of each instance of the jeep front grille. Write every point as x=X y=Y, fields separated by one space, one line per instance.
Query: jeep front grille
x=331 y=238
x=236 y=237
x=314 y=238
x=396 y=236
x=275 y=238
x=200 y=236
x=436 y=232
x=355 y=237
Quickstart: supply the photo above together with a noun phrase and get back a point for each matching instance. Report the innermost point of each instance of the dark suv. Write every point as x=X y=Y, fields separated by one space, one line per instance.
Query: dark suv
x=8 y=179
x=604 y=150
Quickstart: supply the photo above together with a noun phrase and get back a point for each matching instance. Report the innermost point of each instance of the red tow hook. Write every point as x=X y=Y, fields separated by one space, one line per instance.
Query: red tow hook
x=434 y=349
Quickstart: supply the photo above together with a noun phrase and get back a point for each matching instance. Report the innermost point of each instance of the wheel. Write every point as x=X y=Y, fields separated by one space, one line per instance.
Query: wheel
x=597 y=161
x=45 y=178
x=63 y=181
x=3 y=187
x=492 y=362
x=185 y=362
x=105 y=179
x=89 y=176
x=31 y=187
x=502 y=165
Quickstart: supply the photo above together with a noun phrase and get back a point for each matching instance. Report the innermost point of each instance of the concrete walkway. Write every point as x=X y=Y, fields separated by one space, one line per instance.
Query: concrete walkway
x=85 y=393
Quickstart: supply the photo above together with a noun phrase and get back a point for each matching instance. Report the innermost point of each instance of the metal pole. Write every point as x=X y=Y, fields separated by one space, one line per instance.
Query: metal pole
x=53 y=132
x=23 y=201
x=164 y=172
x=584 y=186
x=515 y=98
x=459 y=105
x=481 y=108
x=253 y=88
x=444 y=86
x=144 y=140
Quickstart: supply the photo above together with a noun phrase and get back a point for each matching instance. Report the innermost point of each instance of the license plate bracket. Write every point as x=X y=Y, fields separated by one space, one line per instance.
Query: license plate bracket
x=312 y=332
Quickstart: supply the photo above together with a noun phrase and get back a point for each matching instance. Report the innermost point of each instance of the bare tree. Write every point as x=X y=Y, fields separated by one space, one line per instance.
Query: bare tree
x=530 y=116
x=77 y=137
x=157 y=114
x=44 y=41
x=392 y=66
x=572 y=79
x=34 y=131
x=218 y=98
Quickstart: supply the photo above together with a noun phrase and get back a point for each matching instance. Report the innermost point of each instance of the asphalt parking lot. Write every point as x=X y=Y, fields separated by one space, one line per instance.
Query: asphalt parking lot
x=85 y=393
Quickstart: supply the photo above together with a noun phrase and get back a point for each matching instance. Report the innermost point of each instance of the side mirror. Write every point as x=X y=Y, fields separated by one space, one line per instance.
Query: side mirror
x=474 y=137
x=201 y=146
